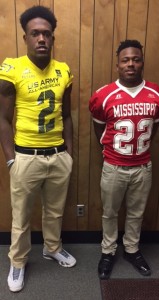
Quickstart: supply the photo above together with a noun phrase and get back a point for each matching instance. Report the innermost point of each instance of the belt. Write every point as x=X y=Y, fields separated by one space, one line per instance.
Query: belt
x=131 y=167
x=40 y=151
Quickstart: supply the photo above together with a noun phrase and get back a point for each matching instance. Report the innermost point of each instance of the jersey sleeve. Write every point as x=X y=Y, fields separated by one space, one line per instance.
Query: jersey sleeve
x=156 y=87
x=96 y=108
x=152 y=85
x=68 y=75
x=7 y=70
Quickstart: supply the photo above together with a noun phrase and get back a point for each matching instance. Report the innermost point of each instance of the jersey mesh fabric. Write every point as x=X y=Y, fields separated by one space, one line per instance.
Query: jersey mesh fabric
x=128 y=119
x=38 y=100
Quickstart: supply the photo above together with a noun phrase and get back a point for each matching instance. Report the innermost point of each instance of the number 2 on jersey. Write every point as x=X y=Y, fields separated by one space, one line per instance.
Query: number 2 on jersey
x=46 y=111
x=143 y=141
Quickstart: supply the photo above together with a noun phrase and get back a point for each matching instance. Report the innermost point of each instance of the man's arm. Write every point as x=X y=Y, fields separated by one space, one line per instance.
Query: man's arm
x=67 y=120
x=99 y=128
x=7 y=103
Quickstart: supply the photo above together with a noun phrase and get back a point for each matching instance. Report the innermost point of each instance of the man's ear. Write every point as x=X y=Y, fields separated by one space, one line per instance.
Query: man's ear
x=117 y=66
x=24 y=38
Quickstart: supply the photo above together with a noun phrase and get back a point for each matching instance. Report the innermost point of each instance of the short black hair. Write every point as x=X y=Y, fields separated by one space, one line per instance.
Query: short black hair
x=38 y=11
x=128 y=43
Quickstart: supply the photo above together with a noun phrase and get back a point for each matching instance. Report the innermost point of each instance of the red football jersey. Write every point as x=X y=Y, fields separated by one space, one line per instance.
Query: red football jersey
x=129 y=115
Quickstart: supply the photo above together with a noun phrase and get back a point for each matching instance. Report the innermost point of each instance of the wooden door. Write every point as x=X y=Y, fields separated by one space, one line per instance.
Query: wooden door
x=87 y=36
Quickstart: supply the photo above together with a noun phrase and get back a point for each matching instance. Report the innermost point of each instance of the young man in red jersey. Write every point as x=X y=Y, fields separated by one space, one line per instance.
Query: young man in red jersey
x=124 y=113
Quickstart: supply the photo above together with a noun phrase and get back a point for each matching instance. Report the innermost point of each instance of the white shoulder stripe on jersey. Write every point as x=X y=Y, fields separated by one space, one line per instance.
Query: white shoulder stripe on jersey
x=105 y=100
x=97 y=121
x=152 y=90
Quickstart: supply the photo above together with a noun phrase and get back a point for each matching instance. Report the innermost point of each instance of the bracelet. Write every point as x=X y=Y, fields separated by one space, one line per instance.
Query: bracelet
x=9 y=162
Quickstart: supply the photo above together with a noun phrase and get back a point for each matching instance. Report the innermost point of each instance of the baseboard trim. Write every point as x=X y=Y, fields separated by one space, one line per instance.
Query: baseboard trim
x=81 y=237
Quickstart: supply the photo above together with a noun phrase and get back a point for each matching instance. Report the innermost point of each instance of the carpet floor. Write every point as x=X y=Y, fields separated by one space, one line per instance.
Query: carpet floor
x=130 y=289
x=46 y=280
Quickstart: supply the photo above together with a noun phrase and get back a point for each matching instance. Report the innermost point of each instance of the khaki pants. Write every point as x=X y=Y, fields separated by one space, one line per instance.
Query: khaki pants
x=28 y=175
x=117 y=184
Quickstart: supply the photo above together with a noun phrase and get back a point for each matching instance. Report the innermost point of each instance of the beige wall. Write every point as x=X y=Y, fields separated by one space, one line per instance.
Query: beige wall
x=87 y=36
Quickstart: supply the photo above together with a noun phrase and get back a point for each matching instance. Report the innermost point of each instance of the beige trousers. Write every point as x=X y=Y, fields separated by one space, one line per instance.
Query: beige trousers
x=30 y=174
x=133 y=186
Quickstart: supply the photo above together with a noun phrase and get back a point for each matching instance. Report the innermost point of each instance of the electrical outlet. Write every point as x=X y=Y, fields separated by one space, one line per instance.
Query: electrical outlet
x=80 y=210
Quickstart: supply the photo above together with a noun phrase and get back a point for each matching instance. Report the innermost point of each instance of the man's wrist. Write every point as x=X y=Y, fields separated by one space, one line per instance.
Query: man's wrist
x=10 y=162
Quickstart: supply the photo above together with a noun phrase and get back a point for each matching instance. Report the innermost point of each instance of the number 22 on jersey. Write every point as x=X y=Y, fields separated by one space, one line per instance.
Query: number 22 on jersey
x=144 y=127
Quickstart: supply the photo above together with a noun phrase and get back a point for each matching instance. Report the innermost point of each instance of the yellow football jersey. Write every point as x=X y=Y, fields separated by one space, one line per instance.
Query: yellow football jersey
x=38 y=100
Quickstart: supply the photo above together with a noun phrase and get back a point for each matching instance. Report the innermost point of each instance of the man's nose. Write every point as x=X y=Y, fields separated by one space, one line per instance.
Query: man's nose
x=130 y=62
x=41 y=37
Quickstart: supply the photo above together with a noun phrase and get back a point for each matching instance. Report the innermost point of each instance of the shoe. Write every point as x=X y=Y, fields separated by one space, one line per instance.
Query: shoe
x=16 y=279
x=138 y=262
x=63 y=257
x=105 y=265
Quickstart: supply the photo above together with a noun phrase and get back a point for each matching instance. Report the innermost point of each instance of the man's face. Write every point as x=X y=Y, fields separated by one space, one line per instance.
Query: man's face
x=39 y=39
x=130 y=66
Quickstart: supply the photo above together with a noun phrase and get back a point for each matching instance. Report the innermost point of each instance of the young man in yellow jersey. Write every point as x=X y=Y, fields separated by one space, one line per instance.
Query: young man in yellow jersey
x=39 y=154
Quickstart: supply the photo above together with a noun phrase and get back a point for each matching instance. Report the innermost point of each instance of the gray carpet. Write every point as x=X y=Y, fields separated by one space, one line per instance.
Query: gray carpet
x=46 y=280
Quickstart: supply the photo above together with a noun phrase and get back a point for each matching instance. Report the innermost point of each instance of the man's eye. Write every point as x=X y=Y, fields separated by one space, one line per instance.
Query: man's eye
x=137 y=60
x=47 y=34
x=34 y=33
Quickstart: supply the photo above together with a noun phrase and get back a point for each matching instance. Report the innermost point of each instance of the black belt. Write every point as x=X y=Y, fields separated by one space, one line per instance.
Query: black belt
x=131 y=167
x=40 y=151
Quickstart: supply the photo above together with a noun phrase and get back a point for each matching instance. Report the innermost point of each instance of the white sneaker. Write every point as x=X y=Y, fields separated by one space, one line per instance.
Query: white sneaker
x=16 y=279
x=63 y=257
